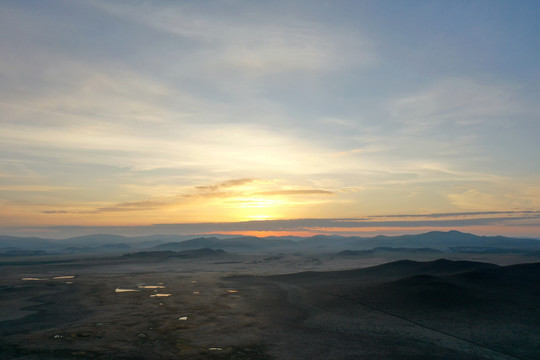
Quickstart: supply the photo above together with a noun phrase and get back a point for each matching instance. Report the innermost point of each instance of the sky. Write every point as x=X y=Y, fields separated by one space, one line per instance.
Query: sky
x=269 y=117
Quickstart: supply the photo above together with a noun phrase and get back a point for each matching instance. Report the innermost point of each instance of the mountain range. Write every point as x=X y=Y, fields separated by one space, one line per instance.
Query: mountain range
x=453 y=241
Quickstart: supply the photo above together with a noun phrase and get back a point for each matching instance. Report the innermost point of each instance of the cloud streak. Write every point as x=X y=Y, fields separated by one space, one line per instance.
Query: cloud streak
x=294 y=192
x=459 y=102
x=325 y=226
x=253 y=45
x=238 y=191
x=226 y=184
x=461 y=214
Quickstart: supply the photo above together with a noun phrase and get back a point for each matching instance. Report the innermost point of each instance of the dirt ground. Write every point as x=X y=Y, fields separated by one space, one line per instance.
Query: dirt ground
x=203 y=308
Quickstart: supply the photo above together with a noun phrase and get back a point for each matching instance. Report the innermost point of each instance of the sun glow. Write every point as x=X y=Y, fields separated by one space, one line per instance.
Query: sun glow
x=260 y=217
x=249 y=203
x=258 y=208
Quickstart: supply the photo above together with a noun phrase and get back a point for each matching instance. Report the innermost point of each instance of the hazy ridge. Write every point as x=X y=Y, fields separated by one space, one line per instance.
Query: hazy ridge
x=451 y=241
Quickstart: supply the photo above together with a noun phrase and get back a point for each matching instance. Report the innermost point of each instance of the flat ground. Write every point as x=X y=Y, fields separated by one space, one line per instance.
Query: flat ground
x=232 y=314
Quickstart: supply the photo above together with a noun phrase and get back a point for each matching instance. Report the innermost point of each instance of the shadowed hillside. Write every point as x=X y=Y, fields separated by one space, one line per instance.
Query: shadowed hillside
x=492 y=306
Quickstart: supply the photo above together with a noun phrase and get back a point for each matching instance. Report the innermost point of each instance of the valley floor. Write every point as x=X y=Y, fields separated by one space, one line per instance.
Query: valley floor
x=234 y=307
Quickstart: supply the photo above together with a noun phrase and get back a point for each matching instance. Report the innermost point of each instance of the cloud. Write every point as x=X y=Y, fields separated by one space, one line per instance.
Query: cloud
x=36 y=188
x=322 y=225
x=346 y=123
x=217 y=190
x=349 y=152
x=230 y=147
x=259 y=42
x=294 y=192
x=498 y=194
x=461 y=214
x=239 y=191
x=455 y=101
x=129 y=206
x=224 y=189
x=120 y=207
x=226 y=184
x=117 y=112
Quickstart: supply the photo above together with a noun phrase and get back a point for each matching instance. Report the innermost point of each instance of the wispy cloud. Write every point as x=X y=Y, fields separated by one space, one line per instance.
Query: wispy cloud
x=36 y=188
x=294 y=192
x=131 y=206
x=115 y=208
x=348 y=152
x=455 y=102
x=235 y=191
x=225 y=184
x=254 y=44
x=462 y=214
x=314 y=226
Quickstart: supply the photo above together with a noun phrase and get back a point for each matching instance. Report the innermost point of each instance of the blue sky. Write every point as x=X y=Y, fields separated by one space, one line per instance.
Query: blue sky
x=138 y=113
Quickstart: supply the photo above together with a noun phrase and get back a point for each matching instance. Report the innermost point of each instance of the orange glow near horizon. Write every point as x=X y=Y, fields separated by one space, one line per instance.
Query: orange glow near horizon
x=305 y=233
x=389 y=231
x=332 y=231
x=254 y=205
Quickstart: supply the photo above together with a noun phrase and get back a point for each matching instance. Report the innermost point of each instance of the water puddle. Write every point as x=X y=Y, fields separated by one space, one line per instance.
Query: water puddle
x=63 y=277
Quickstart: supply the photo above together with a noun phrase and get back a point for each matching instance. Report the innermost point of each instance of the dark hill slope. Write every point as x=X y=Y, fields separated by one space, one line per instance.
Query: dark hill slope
x=521 y=276
x=186 y=254
x=489 y=305
x=386 y=272
x=212 y=243
x=388 y=250
x=238 y=244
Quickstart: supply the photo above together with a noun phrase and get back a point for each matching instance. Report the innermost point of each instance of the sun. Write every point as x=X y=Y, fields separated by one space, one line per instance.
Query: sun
x=251 y=208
